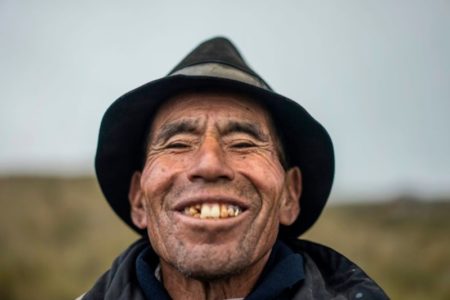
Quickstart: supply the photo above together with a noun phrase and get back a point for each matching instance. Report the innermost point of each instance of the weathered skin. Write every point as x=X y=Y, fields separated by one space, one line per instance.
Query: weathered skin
x=213 y=147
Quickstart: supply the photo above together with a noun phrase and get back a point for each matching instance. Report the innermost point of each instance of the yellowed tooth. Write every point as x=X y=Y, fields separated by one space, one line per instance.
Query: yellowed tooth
x=237 y=211
x=192 y=211
x=230 y=210
x=223 y=211
x=215 y=211
x=206 y=211
x=198 y=207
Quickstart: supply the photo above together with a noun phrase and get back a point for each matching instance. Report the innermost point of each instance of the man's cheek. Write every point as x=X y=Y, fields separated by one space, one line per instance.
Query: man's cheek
x=155 y=179
x=261 y=164
x=157 y=228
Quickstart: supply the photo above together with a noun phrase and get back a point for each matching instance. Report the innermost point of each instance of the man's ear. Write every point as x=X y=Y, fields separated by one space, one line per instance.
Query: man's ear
x=136 y=199
x=290 y=204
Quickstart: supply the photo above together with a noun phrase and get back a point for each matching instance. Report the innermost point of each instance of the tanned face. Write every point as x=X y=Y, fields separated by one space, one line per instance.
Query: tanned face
x=213 y=192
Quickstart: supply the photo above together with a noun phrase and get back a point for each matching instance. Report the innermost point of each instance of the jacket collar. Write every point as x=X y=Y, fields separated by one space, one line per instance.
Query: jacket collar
x=283 y=271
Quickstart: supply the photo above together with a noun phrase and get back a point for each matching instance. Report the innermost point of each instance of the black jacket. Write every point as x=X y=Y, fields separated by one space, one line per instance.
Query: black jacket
x=327 y=275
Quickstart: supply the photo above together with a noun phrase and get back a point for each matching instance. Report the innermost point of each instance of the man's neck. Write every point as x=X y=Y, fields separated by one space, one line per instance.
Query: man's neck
x=240 y=285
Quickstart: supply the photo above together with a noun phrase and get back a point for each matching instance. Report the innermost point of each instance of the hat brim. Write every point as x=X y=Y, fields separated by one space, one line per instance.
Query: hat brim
x=124 y=126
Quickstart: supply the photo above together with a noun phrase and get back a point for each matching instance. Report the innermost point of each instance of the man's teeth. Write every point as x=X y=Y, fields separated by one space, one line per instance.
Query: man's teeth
x=213 y=211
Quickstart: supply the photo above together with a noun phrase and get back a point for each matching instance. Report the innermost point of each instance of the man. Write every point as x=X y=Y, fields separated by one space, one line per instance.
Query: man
x=220 y=175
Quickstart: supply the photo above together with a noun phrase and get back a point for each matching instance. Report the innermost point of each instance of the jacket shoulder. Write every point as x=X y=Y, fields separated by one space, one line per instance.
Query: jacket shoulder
x=330 y=275
x=119 y=282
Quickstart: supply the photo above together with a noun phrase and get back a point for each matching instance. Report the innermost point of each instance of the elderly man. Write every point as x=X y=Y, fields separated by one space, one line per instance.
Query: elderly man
x=220 y=175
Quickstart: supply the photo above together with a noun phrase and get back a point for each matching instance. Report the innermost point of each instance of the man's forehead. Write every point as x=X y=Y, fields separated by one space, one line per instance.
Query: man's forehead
x=194 y=105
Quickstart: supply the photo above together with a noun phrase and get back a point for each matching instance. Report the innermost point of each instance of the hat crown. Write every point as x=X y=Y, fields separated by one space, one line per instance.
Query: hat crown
x=218 y=50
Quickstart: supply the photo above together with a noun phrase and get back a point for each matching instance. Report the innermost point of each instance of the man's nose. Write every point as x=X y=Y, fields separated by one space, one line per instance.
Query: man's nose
x=210 y=163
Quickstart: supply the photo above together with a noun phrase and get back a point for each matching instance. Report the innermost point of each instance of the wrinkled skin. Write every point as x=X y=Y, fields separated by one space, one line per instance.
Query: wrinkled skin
x=213 y=147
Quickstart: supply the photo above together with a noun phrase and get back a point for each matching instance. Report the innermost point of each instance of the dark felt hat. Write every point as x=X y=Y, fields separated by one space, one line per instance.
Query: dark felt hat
x=217 y=64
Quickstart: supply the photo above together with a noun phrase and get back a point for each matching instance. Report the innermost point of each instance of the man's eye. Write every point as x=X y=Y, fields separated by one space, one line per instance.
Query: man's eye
x=241 y=145
x=177 y=145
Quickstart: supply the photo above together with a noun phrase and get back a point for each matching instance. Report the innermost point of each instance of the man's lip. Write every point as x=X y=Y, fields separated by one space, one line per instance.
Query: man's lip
x=188 y=202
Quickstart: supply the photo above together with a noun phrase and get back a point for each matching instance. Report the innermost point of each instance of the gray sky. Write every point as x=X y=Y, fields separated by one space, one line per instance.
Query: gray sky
x=374 y=73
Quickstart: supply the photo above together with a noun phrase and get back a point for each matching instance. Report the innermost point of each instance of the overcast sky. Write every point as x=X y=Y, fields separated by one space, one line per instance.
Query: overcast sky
x=375 y=73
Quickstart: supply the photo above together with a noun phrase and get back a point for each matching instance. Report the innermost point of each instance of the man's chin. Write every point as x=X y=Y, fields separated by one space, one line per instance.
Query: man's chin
x=209 y=272
x=210 y=266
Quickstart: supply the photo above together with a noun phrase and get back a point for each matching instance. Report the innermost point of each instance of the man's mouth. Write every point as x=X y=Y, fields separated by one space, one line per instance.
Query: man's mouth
x=213 y=211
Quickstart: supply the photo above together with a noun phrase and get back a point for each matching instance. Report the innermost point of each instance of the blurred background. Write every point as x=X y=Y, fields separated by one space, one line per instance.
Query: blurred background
x=374 y=73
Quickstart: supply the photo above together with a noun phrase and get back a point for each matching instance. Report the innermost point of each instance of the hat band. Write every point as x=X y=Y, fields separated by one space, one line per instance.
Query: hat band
x=221 y=71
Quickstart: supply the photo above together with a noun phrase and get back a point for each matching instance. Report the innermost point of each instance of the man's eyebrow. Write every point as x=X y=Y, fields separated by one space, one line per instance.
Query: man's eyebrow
x=177 y=127
x=251 y=129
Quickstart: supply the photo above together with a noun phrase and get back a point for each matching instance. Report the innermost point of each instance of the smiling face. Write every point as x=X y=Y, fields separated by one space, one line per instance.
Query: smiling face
x=213 y=192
